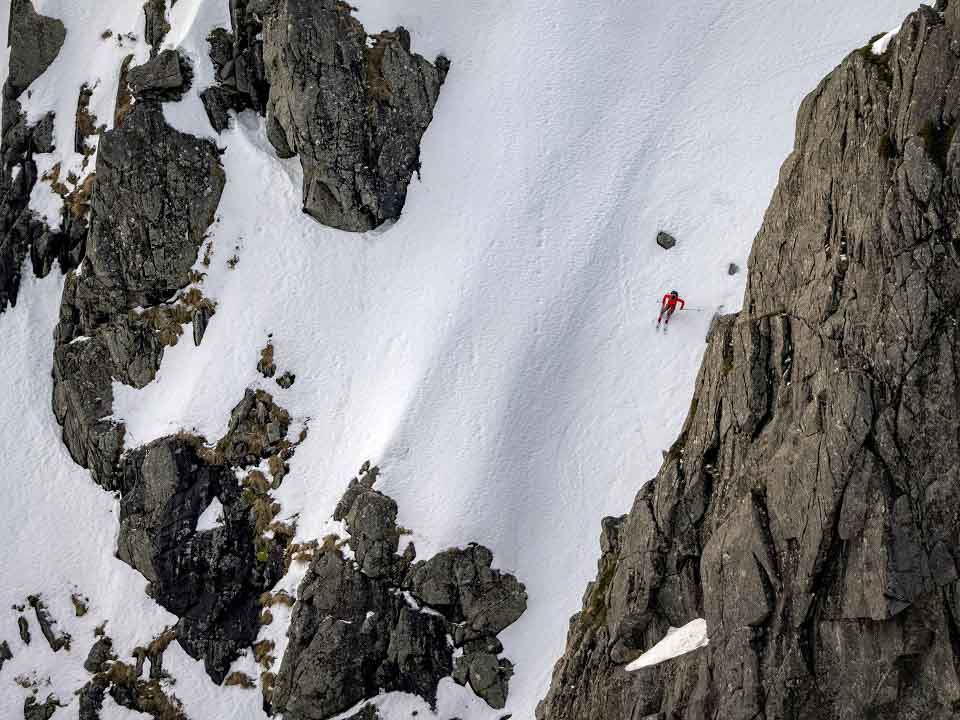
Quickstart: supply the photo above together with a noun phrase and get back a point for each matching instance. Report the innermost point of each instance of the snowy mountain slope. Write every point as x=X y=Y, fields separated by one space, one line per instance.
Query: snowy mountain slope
x=494 y=349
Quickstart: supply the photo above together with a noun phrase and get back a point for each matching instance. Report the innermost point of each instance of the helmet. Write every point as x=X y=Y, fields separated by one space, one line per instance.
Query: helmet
x=674 y=293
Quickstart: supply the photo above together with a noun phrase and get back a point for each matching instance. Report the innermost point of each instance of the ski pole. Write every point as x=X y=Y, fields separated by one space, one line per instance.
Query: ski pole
x=696 y=308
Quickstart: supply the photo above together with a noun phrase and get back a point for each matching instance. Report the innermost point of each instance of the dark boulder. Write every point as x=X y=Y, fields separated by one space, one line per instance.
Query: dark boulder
x=354 y=108
x=488 y=676
x=157 y=27
x=56 y=640
x=35 y=42
x=374 y=537
x=33 y=710
x=100 y=654
x=165 y=76
x=463 y=586
x=257 y=430
x=666 y=240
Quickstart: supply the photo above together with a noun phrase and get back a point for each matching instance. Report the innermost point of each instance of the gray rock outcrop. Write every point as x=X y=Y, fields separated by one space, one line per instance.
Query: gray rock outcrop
x=166 y=76
x=354 y=111
x=211 y=579
x=808 y=509
x=33 y=710
x=34 y=40
x=353 y=107
x=56 y=640
x=369 y=624
x=5 y=653
x=238 y=60
x=101 y=653
x=156 y=26
x=155 y=194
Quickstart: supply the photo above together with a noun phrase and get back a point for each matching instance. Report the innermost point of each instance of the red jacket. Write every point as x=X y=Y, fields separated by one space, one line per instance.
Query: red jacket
x=670 y=303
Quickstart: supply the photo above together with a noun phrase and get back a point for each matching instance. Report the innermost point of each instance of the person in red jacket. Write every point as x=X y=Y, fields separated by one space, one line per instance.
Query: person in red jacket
x=668 y=306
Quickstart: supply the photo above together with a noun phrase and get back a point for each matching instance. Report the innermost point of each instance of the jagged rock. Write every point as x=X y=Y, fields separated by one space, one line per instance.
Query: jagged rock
x=266 y=366
x=23 y=626
x=258 y=429
x=56 y=641
x=286 y=380
x=201 y=318
x=218 y=101
x=155 y=194
x=355 y=632
x=32 y=710
x=100 y=653
x=808 y=509
x=353 y=110
x=128 y=690
x=35 y=42
x=339 y=634
x=238 y=60
x=488 y=675
x=358 y=485
x=165 y=76
x=5 y=653
x=418 y=656
x=91 y=697
x=211 y=579
x=462 y=585
x=666 y=240
x=156 y=27
x=374 y=537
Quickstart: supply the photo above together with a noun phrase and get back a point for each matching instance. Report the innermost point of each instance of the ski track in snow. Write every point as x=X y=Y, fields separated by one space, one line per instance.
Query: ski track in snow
x=493 y=350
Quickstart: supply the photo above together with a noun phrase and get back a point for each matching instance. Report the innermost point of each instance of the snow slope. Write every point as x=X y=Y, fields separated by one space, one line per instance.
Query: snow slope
x=494 y=350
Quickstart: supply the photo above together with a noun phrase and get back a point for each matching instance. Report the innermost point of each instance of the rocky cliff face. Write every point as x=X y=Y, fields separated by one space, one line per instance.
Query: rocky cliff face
x=35 y=40
x=808 y=511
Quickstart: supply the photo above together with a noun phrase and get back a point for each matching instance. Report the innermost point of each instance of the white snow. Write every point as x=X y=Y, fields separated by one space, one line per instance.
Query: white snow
x=493 y=350
x=212 y=517
x=881 y=45
x=677 y=642
x=112 y=711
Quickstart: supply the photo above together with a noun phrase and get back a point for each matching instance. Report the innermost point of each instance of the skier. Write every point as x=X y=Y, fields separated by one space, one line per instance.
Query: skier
x=668 y=306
